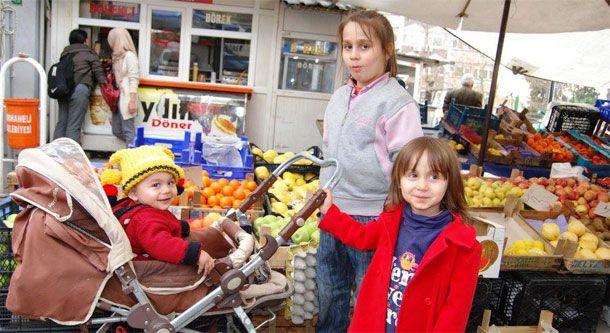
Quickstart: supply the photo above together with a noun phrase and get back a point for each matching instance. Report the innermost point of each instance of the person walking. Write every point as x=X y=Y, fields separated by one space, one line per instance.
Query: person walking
x=127 y=73
x=366 y=123
x=464 y=95
x=87 y=71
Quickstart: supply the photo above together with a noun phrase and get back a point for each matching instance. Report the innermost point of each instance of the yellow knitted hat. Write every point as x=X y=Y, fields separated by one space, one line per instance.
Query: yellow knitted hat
x=139 y=163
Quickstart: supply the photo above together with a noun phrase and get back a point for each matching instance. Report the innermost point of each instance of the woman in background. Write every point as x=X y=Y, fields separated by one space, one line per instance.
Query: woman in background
x=127 y=72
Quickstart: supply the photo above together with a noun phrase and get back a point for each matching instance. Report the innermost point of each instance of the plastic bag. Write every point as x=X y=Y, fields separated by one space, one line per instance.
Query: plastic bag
x=223 y=151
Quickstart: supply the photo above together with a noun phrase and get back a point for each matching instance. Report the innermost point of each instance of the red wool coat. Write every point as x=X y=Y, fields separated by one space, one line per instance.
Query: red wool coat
x=438 y=297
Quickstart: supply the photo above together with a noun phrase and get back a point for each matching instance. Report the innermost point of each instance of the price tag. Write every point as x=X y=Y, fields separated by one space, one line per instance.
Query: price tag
x=538 y=198
x=193 y=173
x=602 y=209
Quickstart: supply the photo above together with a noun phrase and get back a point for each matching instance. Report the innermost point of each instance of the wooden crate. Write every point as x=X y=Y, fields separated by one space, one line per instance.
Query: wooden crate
x=572 y=264
x=544 y=325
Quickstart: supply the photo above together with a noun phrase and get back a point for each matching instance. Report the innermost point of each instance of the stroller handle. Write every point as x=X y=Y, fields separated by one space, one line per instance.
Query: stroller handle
x=266 y=184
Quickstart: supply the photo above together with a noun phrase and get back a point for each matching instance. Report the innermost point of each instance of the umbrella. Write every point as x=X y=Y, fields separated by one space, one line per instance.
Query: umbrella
x=525 y=16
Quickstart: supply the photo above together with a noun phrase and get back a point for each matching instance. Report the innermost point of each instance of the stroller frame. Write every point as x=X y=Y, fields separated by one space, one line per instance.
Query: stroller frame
x=225 y=296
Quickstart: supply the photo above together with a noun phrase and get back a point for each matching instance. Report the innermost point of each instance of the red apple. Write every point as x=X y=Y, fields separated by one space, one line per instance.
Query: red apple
x=561 y=181
x=591 y=213
x=559 y=192
x=603 y=197
x=573 y=195
x=524 y=185
x=571 y=182
x=550 y=188
x=589 y=195
x=543 y=181
x=563 y=198
x=551 y=181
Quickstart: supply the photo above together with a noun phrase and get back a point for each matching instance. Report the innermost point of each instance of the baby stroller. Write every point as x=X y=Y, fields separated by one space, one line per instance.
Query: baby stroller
x=73 y=255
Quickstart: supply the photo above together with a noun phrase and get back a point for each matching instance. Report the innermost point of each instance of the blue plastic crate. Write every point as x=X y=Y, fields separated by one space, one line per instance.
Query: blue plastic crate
x=178 y=147
x=604 y=109
x=194 y=156
x=473 y=117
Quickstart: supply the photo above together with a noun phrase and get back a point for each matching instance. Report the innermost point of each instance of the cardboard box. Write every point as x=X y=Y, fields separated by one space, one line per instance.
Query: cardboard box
x=491 y=237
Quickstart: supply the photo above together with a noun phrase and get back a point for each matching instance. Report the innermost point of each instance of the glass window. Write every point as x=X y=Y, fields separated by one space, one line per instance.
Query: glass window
x=110 y=10
x=165 y=42
x=219 y=60
x=308 y=65
x=208 y=19
x=98 y=39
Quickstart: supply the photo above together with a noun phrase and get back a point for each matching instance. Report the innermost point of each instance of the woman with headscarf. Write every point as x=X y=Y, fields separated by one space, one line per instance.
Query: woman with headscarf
x=127 y=72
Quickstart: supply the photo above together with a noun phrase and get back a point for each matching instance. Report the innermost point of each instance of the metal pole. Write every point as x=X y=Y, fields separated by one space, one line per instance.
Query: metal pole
x=494 y=81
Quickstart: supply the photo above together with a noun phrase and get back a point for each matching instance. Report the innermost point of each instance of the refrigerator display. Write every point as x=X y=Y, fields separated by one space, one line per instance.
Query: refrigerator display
x=308 y=65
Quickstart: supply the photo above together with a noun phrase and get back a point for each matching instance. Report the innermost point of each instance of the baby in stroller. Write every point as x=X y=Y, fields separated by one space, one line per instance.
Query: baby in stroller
x=149 y=179
x=75 y=257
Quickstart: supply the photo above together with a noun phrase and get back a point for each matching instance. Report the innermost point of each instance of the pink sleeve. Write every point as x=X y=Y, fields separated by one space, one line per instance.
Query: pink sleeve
x=391 y=134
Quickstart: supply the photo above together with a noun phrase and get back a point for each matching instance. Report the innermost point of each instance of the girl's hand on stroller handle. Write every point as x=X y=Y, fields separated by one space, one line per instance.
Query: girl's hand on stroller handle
x=327 y=202
x=205 y=263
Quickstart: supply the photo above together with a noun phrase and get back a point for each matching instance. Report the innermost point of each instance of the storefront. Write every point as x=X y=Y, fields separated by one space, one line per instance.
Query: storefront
x=267 y=68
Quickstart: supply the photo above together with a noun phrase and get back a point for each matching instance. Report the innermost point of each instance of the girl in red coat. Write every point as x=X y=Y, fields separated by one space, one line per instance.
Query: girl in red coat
x=423 y=275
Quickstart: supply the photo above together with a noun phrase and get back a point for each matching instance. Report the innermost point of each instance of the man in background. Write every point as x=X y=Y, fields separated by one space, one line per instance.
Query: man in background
x=464 y=95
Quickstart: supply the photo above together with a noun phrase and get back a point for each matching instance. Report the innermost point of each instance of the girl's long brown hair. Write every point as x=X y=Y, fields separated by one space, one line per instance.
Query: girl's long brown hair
x=371 y=21
x=441 y=159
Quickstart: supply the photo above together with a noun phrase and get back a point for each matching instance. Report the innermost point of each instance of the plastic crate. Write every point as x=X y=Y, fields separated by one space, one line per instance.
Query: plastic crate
x=575 y=300
x=567 y=116
x=299 y=168
x=178 y=147
x=480 y=302
x=604 y=109
x=194 y=156
x=470 y=116
x=602 y=170
x=506 y=293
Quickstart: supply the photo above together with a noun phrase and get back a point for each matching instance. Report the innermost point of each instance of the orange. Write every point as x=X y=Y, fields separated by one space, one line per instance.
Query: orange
x=213 y=201
x=223 y=181
x=208 y=192
x=236 y=203
x=203 y=200
x=204 y=173
x=239 y=194
x=251 y=185
x=235 y=183
x=226 y=202
x=196 y=224
x=216 y=187
x=206 y=181
x=175 y=201
x=188 y=183
x=227 y=191
x=190 y=190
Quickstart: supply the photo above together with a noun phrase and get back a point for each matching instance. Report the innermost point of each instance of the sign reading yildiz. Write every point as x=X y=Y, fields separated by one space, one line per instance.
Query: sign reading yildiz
x=168 y=112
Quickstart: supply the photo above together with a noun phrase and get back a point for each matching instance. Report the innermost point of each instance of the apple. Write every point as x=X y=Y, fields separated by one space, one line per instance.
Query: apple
x=581 y=189
x=581 y=209
x=556 y=206
x=571 y=182
x=568 y=188
x=551 y=181
x=560 y=192
x=524 y=185
x=550 y=188
x=543 y=181
x=534 y=180
x=581 y=201
x=300 y=236
x=563 y=198
x=590 y=195
x=573 y=195
x=603 y=196
x=561 y=181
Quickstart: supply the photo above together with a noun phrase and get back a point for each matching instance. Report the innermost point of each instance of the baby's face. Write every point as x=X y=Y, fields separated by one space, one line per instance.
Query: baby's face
x=156 y=190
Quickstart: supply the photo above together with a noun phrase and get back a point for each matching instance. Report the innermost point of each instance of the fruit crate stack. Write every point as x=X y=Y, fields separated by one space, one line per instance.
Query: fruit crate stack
x=521 y=152
x=271 y=159
x=470 y=116
x=547 y=144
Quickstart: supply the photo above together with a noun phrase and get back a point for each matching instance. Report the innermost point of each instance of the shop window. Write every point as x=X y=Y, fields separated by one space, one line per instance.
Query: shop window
x=110 y=10
x=308 y=65
x=219 y=60
x=165 y=42
x=98 y=40
x=208 y=19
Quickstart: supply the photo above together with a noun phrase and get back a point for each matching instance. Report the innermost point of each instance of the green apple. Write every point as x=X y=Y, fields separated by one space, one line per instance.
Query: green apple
x=300 y=236
x=315 y=236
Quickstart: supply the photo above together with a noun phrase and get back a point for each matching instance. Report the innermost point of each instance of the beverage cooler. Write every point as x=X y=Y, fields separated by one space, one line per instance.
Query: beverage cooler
x=308 y=65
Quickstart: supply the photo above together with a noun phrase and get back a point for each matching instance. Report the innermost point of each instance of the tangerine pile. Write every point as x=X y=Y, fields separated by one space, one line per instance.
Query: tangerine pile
x=219 y=193
x=549 y=145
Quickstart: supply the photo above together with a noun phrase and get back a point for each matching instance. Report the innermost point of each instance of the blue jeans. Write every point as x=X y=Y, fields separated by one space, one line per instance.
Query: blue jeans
x=338 y=268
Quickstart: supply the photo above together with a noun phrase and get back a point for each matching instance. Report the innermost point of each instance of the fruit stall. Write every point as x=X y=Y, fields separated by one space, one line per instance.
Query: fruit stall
x=545 y=240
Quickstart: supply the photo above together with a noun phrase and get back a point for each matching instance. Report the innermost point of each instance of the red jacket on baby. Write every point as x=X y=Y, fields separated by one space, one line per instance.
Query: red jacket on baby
x=157 y=234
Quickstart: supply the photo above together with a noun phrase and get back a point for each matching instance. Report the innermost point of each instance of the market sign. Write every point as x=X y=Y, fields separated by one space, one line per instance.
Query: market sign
x=110 y=10
x=168 y=112
x=226 y=21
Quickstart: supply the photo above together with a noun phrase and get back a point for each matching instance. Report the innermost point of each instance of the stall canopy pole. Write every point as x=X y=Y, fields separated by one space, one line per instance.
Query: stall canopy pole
x=494 y=81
